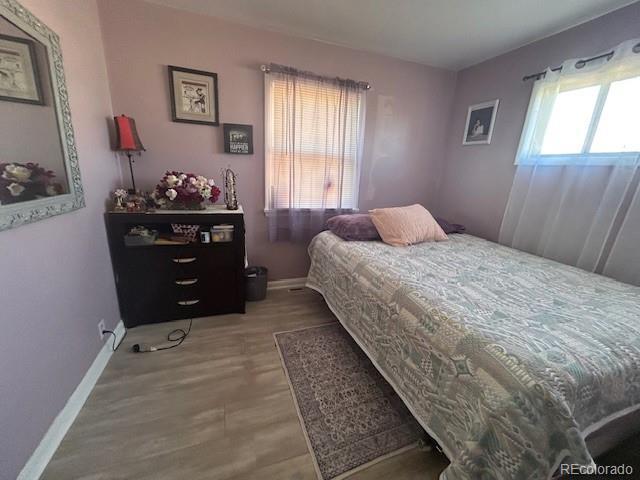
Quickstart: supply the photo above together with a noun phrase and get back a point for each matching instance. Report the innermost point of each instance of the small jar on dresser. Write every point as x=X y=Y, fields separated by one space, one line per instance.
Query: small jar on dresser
x=168 y=276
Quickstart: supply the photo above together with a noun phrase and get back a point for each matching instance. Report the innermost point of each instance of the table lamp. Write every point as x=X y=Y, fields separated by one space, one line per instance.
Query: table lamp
x=127 y=141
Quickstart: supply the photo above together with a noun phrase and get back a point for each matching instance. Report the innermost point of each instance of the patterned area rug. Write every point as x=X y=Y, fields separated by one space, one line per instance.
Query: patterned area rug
x=350 y=414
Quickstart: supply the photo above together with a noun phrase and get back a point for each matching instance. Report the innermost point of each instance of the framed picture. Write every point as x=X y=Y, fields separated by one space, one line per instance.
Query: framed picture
x=19 y=80
x=479 y=126
x=194 y=96
x=238 y=138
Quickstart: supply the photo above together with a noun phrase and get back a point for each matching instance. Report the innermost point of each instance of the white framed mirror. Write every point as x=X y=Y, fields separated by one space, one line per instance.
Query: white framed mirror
x=39 y=172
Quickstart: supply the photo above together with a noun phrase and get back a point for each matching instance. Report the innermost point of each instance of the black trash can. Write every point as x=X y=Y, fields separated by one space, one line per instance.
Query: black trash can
x=256 y=281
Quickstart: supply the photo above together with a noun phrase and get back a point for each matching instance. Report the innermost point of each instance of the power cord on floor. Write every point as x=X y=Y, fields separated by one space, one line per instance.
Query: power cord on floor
x=178 y=336
x=115 y=347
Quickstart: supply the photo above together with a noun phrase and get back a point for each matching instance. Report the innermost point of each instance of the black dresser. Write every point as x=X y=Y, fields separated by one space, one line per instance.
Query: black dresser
x=159 y=282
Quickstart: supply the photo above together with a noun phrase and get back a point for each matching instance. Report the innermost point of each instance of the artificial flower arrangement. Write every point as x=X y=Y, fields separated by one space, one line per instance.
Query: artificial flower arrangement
x=120 y=195
x=21 y=182
x=130 y=201
x=184 y=191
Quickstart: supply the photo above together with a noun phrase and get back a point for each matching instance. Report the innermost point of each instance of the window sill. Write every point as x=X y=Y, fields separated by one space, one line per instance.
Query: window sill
x=582 y=159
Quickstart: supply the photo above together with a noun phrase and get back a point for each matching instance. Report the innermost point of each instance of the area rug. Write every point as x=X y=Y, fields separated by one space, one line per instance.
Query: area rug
x=350 y=415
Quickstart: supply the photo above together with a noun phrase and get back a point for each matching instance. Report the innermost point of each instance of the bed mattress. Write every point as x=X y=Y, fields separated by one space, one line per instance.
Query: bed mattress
x=508 y=360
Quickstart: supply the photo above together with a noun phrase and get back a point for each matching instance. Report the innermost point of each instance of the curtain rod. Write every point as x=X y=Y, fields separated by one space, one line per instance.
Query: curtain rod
x=579 y=63
x=282 y=68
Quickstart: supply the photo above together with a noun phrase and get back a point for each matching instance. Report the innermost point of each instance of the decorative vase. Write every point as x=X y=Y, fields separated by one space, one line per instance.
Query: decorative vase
x=230 y=195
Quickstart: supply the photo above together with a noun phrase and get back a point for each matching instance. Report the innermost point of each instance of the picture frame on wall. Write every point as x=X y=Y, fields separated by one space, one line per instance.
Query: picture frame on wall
x=238 y=138
x=19 y=77
x=481 y=118
x=194 y=96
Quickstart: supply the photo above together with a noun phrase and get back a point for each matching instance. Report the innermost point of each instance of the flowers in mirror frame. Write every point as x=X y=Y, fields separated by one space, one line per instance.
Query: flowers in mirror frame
x=179 y=190
x=20 y=182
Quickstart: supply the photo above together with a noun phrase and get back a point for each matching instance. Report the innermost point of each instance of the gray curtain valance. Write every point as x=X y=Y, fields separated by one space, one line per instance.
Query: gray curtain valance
x=343 y=82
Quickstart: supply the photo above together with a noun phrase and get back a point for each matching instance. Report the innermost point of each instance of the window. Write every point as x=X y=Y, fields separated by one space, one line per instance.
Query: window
x=583 y=120
x=619 y=124
x=313 y=130
x=569 y=122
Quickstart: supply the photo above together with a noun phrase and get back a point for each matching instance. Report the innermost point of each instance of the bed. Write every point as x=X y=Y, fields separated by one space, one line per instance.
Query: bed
x=508 y=360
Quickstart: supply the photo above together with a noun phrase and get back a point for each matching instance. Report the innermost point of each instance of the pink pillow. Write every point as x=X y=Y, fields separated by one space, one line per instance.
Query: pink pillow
x=401 y=226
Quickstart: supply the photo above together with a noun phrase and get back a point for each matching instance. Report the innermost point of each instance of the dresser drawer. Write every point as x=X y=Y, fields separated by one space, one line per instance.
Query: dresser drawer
x=185 y=295
x=219 y=255
x=175 y=262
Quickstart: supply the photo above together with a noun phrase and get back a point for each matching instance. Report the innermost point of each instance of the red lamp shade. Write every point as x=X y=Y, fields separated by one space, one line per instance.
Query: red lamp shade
x=127 y=135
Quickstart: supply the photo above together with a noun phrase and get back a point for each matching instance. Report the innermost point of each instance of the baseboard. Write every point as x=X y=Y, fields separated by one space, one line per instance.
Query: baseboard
x=287 y=283
x=58 y=429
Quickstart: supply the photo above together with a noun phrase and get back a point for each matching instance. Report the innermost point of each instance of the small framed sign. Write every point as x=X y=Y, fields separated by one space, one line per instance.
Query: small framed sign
x=479 y=126
x=238 y=138
x=19 y=80
x=194 y=96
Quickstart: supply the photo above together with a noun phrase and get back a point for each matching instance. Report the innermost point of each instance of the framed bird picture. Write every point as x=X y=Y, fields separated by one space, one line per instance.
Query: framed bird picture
x=194 y=96
x=19 y=80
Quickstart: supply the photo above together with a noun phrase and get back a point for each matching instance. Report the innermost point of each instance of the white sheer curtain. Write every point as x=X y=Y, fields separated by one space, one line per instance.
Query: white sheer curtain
x=575 y=196
x=313 y=146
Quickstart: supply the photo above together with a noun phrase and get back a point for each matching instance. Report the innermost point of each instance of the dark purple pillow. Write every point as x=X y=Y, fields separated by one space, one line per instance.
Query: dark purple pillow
x=450 y=227
x=357 y=226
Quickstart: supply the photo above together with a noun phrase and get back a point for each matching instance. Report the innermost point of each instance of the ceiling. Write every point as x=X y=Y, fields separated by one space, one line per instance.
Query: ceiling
x=444 y=33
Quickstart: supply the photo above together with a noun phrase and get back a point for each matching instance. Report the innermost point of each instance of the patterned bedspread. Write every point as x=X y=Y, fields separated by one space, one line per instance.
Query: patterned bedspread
x=507 y=359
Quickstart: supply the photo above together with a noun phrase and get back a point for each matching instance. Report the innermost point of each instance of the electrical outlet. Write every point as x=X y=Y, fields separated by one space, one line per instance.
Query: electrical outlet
x=101 y=329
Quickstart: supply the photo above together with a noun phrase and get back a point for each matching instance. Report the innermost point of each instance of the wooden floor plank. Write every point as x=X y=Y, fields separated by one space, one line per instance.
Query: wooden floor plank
x=217 y=407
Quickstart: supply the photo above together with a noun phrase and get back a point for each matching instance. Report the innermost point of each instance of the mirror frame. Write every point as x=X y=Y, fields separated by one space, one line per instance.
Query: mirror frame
x=16 y=214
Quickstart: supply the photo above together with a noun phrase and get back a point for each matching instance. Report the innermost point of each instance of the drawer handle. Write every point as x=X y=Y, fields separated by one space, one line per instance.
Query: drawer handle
x=186 y=303
x=185 y=260
x=187 y=281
